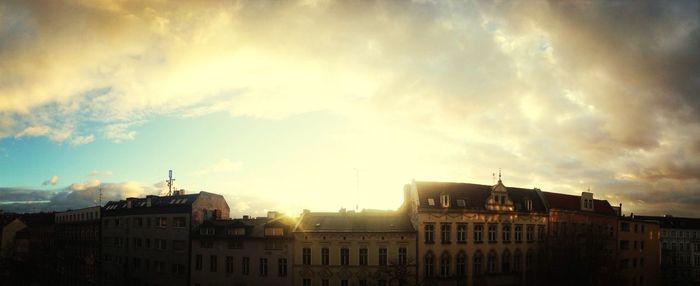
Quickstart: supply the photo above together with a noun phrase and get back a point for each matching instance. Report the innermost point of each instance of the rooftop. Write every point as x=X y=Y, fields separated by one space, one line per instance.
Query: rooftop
x=365 y=221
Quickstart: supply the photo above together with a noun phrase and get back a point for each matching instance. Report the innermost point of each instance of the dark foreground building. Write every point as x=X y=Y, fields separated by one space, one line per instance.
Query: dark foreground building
x=78 y=247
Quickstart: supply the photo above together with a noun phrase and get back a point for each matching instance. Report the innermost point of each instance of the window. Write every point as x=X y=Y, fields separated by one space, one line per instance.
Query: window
x=505 y=262
x=517 y=261
x=528 y=204
x=306 y=256
x=229 y=264
x=245 y=266
x=528 y=260
x=445 y=230
x=179 y=222
x=491 y=262
x=263 y=266
x=344 y=282
x=382 y=282
x=205 y=243
x=382 y=256
x=461 y=233
x=178 y=245
x=207 y=231
x=530 y=233
x=445 y=201
x=363 y=256
x=402 y=255
x=137 y=242
x=429 y=230
x=641 y=244
x=429 y=264
x=178 y=269
x=307 y=282
x=461 y=203
x=624 y=244
x=445 y=265
x=697 y=260
x=344 y=256
x=624 y=226
x=461 y=267
x=138 y=222
x=325 y=256
x=236 y=231
x=492 y=233
x=540 y=232
x=362 y=282
x=274 y=231
x=162 y=222
x=282 y=267
x=212 y=263
x=477 y=264
x=198 y=262
x=431 y=202
x=505 y=230
x=478 y=231
x=635 y=244
x=161 y=244
x=325 y=282
x=235 y=244
x=518 y=233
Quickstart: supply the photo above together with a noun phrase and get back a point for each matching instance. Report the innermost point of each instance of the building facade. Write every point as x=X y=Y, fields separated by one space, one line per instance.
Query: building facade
x=359 y=249
x=146 y=241
x=680 y=249
x=471 y=234
x=78 y=247
x=638 y=252
x=582 y=242
x=243 y=251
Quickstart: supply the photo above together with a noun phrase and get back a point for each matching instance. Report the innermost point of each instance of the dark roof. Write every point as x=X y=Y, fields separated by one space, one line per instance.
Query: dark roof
x=573 y=203
x=673 y=222
x=254 y=227
x=474 y=196
x=164 y=204
x=387 y=221
x=38 y=219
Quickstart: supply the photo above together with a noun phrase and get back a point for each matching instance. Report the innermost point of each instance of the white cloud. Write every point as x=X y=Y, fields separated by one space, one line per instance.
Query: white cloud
x=51 y=181
x=80 y=140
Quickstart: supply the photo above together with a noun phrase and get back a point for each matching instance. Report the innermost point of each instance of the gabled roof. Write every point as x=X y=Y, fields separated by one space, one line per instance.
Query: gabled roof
x=573 y=203
x=474 y=196
x=387 y=221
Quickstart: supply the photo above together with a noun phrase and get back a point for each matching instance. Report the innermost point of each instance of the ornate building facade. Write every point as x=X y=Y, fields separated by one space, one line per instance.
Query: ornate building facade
x=470 y=234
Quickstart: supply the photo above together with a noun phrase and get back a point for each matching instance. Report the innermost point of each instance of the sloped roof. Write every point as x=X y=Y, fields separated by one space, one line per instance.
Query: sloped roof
x=374 y=221
x=573 y=203
x=255 y=227
x=164 y=204
x=474 y=196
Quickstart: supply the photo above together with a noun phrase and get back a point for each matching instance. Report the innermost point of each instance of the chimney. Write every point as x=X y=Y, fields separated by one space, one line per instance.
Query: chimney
x=271 y=214
x=246 y=216
x=129 y=202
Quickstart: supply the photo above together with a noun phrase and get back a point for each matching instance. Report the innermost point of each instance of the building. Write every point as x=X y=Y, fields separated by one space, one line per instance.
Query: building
x=354 y=248
x=680 y=249
x=32 y=250
x=78 y=247
x=146 y=241
x=470 y=234
x=638 y=252
x=243 y=251
x=582 y=243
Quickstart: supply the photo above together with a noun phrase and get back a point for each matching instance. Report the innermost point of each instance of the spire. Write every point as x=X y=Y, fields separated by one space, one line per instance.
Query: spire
x=499 y=175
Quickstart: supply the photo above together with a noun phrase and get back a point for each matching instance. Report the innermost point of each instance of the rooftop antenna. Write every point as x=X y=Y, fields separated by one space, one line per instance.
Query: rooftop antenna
x=100 y=197
x=357 y=186
x=170 y=182
x=499 y=174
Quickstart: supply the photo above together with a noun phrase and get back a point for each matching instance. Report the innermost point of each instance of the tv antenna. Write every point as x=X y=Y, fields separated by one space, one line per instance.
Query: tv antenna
x=170 y=182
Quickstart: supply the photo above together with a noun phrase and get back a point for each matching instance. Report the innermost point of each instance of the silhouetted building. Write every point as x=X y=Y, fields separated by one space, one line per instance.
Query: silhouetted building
x=349 y=248
x=680 y=249
x=78 y=247
x=31 y=254
x=638 y=252
x=146 y=241
x=243 y=251
x=582 y=242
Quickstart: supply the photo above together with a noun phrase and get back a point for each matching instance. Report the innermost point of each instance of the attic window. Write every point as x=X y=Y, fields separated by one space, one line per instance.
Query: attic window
x=528 y=204
x=461 y=203
x=431 y=202
x=445 y=201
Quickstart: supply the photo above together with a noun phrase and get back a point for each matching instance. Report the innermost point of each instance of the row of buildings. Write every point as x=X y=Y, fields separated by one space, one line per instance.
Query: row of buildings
x=443 y=234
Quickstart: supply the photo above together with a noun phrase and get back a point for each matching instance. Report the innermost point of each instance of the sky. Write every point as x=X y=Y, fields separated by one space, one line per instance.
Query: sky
x=322 y=105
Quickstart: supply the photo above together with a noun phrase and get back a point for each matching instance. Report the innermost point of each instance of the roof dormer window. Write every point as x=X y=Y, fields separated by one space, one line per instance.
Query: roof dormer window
x=528 y=204
x=445 y=201
x=431 y=202
x=461 y=203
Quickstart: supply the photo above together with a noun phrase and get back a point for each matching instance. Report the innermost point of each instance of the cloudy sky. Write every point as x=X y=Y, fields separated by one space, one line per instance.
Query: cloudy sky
x=280 y=105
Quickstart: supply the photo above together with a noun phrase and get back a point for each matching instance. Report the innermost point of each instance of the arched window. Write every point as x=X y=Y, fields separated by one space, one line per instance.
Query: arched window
x=461 y=267
x=505 y=261
x=517 y=261
x=478 y=260
x=445 y=264
x=491 y=262
x=529 y=259
x=429 y=265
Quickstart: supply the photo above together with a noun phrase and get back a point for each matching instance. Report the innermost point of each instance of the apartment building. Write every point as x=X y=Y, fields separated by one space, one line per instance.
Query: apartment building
x=78 y=247
x=243 y=251
x=146 y=241
x=638 y=252
x=582 y=242
x=471 y=234
x=680 y=249
x=354 y=248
